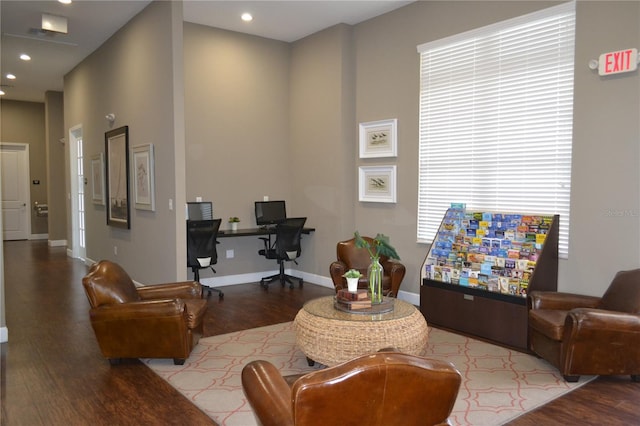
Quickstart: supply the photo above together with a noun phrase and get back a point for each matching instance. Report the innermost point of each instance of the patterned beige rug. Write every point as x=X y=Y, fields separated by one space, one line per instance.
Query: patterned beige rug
x=498 y=384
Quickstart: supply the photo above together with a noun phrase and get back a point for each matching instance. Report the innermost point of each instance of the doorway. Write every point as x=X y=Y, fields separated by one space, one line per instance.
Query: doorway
x=16 y=199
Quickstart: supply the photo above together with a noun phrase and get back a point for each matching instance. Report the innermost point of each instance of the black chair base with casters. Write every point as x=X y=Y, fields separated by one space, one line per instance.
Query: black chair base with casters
x=201 y=249
x=286 y=248
x=196 y=277
x=282 y=277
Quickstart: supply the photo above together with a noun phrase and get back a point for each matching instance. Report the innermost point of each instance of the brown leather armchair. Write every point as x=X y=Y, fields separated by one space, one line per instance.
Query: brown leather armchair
x=385 y=388
x=589 y=335
x=352 y=257
x=155 y=321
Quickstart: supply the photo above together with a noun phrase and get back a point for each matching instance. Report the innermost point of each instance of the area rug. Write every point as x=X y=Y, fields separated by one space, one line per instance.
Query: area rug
x=498 y=384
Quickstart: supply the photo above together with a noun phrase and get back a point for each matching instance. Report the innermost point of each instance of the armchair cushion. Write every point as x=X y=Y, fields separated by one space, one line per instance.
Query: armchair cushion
x=549 y=322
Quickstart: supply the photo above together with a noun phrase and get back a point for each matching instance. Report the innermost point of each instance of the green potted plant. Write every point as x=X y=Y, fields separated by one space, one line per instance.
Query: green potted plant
x=233 y=223
x=352 y=276
x=380 y=247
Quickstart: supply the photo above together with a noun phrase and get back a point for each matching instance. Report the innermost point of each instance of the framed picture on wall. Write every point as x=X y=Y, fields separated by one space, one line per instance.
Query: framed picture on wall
x=143 y=177
x=377 y=184
x=117 y=177
x=97 y=179
x=379 y=139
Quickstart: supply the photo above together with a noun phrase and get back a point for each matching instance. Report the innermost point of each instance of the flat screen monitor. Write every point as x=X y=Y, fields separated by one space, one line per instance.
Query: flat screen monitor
x=200 y=210
x=270 y=212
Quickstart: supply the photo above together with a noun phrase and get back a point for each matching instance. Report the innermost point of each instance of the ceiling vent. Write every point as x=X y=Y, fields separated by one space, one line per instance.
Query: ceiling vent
x=54 y=24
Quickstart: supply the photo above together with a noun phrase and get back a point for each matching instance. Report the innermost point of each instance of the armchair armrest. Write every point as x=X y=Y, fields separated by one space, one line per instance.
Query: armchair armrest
x=601 y=342
x=396 y=271
x=583 y=319
x=268 y=393
x=561 y=301
x=177 y=290
x=148 y=328
x=336 y=270
x=161 y=308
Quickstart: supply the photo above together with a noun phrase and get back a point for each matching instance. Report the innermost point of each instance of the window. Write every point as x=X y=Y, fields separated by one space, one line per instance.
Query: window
x=496 y=120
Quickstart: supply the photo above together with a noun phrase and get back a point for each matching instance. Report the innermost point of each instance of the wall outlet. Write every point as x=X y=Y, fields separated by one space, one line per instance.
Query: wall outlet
x=115 y=250
x=198 y=199
x=265 y=198
x=170 y=204
x=230 y=254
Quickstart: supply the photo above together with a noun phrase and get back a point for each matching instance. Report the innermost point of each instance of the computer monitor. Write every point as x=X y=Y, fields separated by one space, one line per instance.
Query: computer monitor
x=200 y=210
x=270 y=212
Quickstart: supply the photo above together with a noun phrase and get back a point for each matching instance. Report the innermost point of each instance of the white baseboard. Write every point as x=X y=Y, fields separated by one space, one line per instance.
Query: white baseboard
x=320 y=280
x=39 y=236
x=4 y=334
x=57 y=243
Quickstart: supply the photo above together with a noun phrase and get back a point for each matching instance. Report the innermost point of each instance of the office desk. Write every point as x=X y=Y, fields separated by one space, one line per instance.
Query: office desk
x=255 y=232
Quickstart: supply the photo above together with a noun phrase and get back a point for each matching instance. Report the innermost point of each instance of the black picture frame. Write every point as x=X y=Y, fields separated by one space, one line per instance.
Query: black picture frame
x=117 y=177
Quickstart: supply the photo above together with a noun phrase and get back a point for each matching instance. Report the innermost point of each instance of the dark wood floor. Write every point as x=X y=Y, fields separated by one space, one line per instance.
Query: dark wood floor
x=52 y=372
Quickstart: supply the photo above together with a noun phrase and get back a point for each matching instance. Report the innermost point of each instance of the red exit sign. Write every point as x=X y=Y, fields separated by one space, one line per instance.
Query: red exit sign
x=618 y=62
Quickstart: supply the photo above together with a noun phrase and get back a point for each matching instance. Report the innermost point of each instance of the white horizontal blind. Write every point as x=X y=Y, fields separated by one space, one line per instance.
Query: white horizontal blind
x=496 y=107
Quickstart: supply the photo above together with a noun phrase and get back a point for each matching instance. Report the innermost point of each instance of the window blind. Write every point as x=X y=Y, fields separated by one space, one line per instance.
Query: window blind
x=496 y=120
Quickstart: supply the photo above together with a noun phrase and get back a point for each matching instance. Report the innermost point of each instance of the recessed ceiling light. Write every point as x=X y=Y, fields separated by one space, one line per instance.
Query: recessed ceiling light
x=246 y=17
x=11 y=76
x=25 y=57
x=65 y=1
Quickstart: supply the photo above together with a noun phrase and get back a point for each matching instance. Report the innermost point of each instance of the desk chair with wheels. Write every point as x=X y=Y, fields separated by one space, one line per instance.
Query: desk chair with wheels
x=286 y=248
x=201 y=248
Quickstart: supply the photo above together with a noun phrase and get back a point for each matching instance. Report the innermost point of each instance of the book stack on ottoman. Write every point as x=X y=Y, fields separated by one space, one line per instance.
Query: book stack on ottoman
x=353 y=300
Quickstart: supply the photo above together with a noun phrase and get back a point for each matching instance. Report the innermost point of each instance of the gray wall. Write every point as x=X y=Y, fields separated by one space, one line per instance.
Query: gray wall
x=322 y=141
x=237 y=141
x=56 y=167
x=134 y=75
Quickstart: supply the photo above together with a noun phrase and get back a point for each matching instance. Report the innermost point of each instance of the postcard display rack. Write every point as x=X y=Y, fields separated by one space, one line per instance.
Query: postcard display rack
x=481 y=266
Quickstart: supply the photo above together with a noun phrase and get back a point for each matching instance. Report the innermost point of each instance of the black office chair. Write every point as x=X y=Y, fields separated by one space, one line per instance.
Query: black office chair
x=286 y=248
x=201 y=248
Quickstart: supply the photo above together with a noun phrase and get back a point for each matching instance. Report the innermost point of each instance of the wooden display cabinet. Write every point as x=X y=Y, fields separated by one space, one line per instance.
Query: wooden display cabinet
x=471 y=309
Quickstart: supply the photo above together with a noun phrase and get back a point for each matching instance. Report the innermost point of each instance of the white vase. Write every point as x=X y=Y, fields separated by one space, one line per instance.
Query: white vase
x=233 y=226
x=352 y=284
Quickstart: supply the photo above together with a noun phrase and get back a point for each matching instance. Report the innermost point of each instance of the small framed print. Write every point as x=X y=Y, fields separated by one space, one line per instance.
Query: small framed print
x=379 y=139
x=377 y=184
x=97 y=179
x=144 y=179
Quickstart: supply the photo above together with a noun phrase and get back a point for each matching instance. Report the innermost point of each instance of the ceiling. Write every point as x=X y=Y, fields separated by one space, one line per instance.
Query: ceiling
x=92 y=22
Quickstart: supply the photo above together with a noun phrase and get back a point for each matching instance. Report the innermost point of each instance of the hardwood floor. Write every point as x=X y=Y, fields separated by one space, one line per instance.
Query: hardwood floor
x=52 y=372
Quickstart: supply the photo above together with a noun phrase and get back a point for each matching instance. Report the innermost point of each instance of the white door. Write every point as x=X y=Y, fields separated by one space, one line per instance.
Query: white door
x=14 y=166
